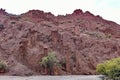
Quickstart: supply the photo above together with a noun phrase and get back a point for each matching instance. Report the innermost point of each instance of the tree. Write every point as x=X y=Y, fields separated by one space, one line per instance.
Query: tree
x=49 y=62
x=110 y=68
x=3 y=67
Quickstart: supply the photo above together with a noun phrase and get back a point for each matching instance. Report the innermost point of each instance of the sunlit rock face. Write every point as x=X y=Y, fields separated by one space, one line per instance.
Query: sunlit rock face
x=81 y=39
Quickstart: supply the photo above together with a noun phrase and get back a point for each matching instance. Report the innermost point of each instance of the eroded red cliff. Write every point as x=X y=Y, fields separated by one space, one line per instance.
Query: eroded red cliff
x=82 y=39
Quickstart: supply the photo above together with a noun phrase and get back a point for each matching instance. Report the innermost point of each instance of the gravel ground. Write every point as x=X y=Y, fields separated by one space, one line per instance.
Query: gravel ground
x=73 y=77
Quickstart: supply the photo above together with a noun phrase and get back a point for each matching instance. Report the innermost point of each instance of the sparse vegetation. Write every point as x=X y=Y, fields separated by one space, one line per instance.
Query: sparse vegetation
x=108 y=36
x=49 y=62
x=98 y=35
x=73 y=57
x=62 y=63
x=82 y=30
x=1 y=26
x=110 y=68
x=3 y=67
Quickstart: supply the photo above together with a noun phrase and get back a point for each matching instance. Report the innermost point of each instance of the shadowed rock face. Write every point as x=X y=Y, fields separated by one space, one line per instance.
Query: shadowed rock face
x=81 y=39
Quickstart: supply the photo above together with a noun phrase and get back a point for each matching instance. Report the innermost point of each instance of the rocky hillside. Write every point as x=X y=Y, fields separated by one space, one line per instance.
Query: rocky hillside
x=80 y=40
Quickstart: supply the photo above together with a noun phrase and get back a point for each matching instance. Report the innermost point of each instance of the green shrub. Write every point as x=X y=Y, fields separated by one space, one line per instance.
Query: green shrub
x=62 y=63
x=1 y=26
x=49 y=62
x=110 y=68
x=3 y=67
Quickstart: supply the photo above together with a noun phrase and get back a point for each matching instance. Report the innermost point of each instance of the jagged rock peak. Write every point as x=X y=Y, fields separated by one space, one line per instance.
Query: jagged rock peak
x=88 y=13
x=35 y=12
x=77 y=12
x=2 y=11
x=38 y=13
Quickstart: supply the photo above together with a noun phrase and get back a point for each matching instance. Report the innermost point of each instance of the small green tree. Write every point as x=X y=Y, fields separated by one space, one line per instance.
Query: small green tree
x=110 y=68
x=49 y=62
x=3 y=67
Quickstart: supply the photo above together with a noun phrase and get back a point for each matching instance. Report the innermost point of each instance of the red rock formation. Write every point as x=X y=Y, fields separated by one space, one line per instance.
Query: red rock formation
x=90 y=40
x=2 y=11
x=37 y=16
x=67 y=57
x=78 y=12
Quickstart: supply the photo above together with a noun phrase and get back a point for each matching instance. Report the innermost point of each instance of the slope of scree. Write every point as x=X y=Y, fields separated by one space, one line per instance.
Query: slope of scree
x=80 y=40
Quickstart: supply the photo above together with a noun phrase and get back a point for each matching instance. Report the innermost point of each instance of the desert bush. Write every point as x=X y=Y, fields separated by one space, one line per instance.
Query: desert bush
x=108 y=36
x=1 y=26
x=110 y=68
x=73 y=57
x=49 y=62
x=3 y=67
x=62 y=64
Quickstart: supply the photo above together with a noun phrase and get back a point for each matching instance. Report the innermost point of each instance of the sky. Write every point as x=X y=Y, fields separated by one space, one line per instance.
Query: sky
x=108 y=9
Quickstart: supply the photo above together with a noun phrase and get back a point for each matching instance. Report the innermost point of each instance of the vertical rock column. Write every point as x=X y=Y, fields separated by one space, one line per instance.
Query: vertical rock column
x=57 y=41
x=61 y=47
x=67 y=57
x=76 y=42
x=77 y=60
x=23 y=51
x=54 y=35
x=33 y=36
x=45 y=51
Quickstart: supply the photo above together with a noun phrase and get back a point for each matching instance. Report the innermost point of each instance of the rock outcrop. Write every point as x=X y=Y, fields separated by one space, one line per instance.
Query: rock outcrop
x=80 y=40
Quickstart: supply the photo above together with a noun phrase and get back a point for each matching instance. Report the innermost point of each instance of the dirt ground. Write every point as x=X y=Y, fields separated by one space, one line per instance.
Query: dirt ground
x=73 y=77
